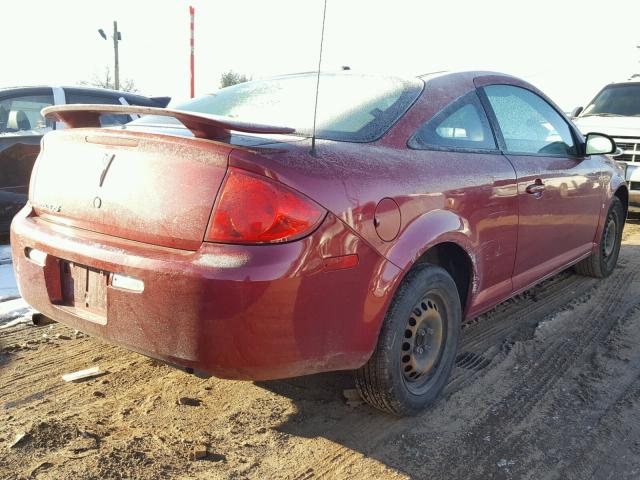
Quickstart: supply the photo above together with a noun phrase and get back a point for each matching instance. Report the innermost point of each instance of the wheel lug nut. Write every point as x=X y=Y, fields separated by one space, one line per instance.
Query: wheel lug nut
x=421 y=332
x=420 y=350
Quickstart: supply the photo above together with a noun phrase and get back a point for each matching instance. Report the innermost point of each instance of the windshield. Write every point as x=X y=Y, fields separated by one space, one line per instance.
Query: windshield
x=352 y=108
x=616 y=100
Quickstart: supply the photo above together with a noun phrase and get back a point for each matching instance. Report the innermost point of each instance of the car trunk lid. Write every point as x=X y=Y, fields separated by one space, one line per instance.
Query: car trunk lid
x=147 y=186
x=150 y=188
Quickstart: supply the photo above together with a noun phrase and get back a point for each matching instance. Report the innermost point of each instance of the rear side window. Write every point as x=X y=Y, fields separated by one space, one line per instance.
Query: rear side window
x=528 y=123
x=462 y=124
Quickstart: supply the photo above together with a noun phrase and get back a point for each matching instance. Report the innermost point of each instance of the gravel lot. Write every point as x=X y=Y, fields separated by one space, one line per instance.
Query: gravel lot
x=547 y=386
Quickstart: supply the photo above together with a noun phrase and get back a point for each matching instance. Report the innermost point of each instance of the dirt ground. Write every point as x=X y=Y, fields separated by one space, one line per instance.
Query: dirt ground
x=546 y=386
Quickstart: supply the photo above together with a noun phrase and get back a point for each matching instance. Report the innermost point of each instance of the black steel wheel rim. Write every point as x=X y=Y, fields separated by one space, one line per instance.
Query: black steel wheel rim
x=610 y=236
x=423 y=342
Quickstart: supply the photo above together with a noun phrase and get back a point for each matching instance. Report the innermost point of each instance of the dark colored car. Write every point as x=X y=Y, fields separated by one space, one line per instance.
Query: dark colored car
x=213 y=239
x=22 y=127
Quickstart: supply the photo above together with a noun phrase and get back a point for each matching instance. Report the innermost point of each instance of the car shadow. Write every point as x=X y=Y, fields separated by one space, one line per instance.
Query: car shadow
x=355 y=428
x=321 y=410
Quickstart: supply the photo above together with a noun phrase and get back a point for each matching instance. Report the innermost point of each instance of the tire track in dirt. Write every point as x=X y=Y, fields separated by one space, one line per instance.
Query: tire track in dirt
x=510 y=317
x=554 y=362
x=511 y=323
x=617 y=433
x=543 y=299
x=545 y=369
x=611 y=409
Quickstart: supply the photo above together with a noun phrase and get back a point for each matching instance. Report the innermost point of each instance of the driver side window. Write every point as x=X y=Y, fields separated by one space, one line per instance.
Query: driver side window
x=528 y=123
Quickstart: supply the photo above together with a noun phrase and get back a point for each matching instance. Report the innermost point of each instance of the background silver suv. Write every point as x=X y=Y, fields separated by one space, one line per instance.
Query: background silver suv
x=615 y=111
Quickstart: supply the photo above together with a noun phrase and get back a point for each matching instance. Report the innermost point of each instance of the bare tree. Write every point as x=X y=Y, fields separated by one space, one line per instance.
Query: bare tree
x=231 y=78
x=107 y=81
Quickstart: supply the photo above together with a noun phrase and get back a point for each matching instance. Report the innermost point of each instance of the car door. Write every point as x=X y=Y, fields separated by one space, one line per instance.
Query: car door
x=559 y=190
x=21 y=129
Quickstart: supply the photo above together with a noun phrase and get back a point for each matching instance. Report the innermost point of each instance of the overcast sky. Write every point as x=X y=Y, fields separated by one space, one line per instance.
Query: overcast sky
x=568 y=48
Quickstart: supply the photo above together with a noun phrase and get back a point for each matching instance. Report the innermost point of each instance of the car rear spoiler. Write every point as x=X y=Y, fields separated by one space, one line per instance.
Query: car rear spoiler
x=202 y=125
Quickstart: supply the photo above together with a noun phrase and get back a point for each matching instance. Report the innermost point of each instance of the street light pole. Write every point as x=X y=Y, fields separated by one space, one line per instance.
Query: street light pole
x=116 y=37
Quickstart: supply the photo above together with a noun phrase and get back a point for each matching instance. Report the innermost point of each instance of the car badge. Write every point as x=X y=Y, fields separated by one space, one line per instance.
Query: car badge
x=50 y=207
x=106 y=163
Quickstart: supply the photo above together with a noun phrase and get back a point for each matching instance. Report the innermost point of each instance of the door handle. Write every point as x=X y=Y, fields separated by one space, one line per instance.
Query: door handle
x=536 y=188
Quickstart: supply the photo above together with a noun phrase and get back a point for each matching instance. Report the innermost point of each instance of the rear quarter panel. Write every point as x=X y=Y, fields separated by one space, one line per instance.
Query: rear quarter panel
x=465 y=198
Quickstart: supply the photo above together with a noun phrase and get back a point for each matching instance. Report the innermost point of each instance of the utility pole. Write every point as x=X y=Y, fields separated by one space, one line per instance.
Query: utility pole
x=117 y=36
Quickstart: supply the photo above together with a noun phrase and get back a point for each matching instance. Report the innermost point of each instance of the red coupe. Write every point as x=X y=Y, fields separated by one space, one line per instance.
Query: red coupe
x=212 y=238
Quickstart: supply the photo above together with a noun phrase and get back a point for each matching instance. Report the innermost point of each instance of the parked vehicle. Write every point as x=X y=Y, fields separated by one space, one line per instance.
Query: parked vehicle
x=234 y=248
x=615 y=110
x=22 y=127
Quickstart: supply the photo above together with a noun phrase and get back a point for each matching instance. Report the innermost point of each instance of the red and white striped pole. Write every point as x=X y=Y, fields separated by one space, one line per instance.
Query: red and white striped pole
x=192 y=14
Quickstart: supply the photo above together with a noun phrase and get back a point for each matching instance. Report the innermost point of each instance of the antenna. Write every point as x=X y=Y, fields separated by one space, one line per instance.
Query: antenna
x=315 y=108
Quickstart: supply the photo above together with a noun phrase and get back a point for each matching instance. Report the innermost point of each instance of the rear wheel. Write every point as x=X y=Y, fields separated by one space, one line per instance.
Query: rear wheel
x=602 y=262
x=417 y=345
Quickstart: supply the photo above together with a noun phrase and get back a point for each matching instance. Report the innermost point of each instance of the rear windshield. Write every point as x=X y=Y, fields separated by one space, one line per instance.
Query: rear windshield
x=616 y=100
x=351 y=108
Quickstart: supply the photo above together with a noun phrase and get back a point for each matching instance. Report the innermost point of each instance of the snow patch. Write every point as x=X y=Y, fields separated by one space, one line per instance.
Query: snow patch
x=5 y=254
x=15 y=311
x=16 y=321
x=8 y=287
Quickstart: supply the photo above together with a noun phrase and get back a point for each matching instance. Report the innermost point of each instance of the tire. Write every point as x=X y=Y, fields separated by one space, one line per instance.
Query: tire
x=601 y=263
x=417 y=346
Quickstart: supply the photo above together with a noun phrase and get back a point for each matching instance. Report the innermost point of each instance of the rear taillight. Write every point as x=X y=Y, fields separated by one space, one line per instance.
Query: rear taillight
x=255 y=209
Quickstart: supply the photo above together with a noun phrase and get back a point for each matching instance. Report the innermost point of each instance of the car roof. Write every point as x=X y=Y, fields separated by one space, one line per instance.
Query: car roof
x=626 y=82
x=76 y=88
x=467 y=74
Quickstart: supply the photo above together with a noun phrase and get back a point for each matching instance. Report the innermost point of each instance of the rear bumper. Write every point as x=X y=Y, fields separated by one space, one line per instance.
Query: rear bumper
x=247 y=312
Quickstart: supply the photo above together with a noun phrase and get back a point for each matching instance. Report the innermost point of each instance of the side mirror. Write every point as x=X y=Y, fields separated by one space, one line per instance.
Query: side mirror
x=599 y=144
x=576 y=111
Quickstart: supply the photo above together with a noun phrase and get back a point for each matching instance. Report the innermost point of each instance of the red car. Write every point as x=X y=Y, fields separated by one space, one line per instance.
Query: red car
x=213 y=239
